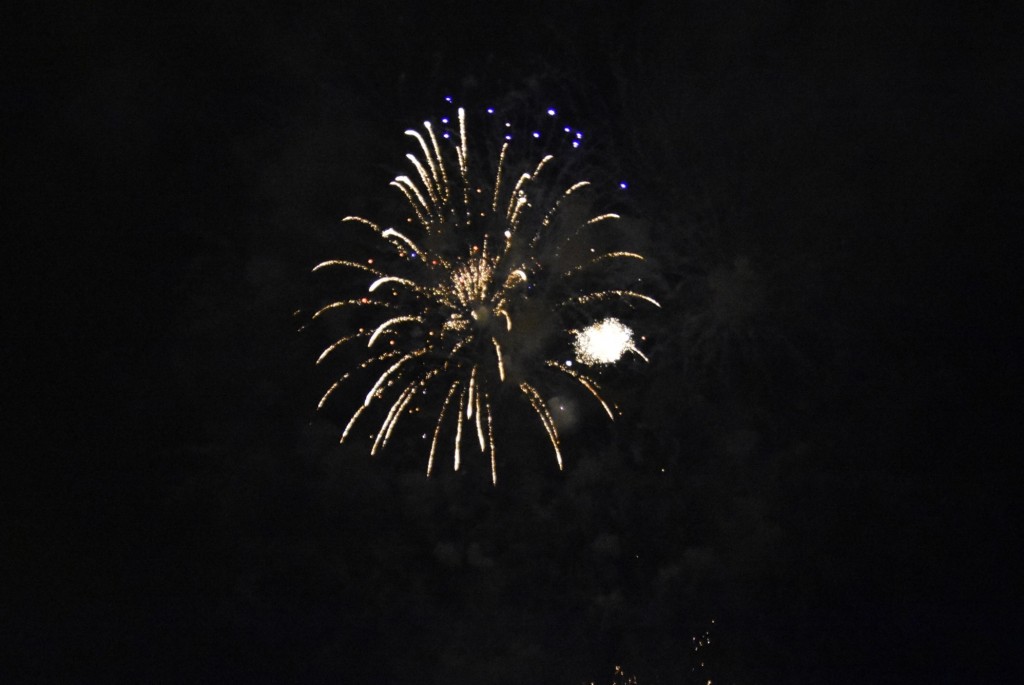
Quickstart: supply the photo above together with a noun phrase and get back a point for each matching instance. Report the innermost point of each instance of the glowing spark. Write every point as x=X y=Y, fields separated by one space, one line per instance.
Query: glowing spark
x=345 y=262
x=440 y=421
x=490 y=443
x=390 y=279
x=508 y=319
x=332 y=348
x=388 y=324
x=426 y=152
x=349 y=303
x=334 y=386
x=384 y=376
x=545 y=417
x=479 y=422
x=352 y=422
x=398 y=407
x=458 y=431
x=603 y=217
x=603 y=257
x=361 y=220
x=476 y=251
x=497 y=353
x=611 y=294
x=392 y=232
x=587 y=383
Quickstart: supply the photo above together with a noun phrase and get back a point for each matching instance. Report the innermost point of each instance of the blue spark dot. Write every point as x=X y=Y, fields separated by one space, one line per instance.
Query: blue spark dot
x=412 y=255
x=623 y=185
x=536 y=134
x=444 y=120
x=575 y=143
x=508 y=136
x=551 y=112
x=567 y=129
x=490 y=110
x=446 y=135
x=579 y=134
x=448 y=98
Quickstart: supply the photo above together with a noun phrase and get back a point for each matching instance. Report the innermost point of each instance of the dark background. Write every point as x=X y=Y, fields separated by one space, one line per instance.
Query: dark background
x=821 y=457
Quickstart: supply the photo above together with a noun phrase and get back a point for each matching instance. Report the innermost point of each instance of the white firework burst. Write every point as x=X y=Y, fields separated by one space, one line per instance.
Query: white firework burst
x=477 y=298
x=604 y=342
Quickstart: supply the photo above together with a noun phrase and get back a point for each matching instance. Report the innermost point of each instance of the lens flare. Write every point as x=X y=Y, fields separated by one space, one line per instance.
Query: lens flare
x=474 y=305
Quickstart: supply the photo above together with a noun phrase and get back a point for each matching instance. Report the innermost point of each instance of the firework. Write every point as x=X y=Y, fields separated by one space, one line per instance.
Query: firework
x=475 y=305
x=604 y=342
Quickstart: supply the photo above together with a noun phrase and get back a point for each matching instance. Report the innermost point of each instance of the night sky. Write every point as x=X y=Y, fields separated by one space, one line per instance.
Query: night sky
x=818 y=468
